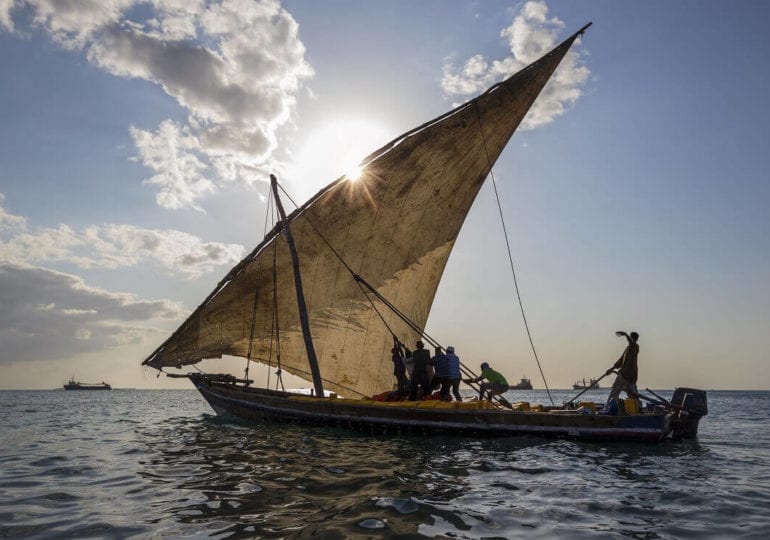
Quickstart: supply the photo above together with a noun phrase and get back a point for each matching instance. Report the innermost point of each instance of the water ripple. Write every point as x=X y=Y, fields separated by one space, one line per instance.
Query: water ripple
x=137 y=463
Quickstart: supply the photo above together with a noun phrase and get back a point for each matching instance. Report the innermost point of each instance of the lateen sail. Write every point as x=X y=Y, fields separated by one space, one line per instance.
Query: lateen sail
x=395 y=227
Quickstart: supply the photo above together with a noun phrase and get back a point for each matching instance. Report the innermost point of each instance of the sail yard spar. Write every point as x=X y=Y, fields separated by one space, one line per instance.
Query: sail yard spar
x=395 y=227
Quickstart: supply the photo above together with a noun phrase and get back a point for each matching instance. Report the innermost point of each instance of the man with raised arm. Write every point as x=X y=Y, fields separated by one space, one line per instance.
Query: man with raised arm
x=628 y=371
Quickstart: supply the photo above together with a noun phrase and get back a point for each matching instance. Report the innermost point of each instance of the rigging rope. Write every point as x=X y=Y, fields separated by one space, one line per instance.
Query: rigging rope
x=253 y=328
x=361 y=281
x=467 y=372
x=268 y=214
x=276 y=327
x=256 y=300
x=508 y=246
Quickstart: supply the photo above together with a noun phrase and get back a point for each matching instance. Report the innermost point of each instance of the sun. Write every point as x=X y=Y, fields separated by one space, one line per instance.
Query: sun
x=347 y=143
x=354 y=173
x=336 y=149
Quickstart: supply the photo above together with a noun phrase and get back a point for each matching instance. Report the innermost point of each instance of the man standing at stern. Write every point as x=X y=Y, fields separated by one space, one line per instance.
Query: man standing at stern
x=628 y=371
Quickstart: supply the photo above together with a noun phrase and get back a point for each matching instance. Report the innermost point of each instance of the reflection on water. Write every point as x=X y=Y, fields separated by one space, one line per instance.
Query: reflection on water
x=160 y=464
x=272 y=479
x=277 y=480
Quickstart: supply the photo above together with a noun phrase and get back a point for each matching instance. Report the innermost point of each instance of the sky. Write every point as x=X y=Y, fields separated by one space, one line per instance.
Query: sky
x=136 y=139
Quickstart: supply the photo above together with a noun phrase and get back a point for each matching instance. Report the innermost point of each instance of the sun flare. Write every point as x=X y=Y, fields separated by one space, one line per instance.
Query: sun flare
x=354 y=172
x=336 y=149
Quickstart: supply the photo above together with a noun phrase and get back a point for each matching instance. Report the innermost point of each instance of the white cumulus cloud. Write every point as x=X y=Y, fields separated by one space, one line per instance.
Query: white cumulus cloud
x=8 y=220
x=530 y=35
x=234 y=65
x=174 y=153
x=49 y=315
x=6 y=20
x=113 y=246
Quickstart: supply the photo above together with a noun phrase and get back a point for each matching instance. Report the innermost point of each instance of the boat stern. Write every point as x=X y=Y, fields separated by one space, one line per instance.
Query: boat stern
x=692 y=405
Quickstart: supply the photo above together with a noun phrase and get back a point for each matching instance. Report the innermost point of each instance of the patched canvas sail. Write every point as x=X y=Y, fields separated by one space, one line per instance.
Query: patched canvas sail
x=395 y=227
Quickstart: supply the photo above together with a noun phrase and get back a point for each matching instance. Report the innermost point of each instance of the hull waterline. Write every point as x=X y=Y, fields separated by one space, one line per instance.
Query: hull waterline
x=259 y=405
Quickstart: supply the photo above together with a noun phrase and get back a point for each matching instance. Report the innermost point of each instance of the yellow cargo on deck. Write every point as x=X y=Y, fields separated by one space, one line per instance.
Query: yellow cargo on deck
x=426 y=404
x=629 y=406
x=588 y=405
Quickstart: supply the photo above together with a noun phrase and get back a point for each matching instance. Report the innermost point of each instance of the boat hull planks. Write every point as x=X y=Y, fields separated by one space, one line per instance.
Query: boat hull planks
x=254 y=404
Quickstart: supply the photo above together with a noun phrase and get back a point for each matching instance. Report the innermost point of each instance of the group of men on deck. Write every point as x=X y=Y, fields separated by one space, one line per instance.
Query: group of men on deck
x=416 y=371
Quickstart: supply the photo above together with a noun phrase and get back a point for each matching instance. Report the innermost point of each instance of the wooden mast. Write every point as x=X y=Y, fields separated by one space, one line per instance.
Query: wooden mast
x=311 y=357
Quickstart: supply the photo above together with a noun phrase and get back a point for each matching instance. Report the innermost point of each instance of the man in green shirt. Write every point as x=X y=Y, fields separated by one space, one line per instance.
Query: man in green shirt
x=495 y=386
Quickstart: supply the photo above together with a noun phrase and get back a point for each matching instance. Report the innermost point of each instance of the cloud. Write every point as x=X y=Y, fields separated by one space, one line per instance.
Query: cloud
x=113 y=246
x=234 y=65
x=6 y=21
x=8 y=220
x=174 y=154
x=48 y=315
x=174 y=250
x=529 y=36
x=73 y=23
x=120 y=246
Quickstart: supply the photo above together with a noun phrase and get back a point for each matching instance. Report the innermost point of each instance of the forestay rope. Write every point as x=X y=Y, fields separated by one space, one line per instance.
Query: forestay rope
x=508 y=246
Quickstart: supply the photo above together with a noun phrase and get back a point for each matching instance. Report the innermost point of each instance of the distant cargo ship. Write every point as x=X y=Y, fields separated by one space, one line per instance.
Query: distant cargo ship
x=72 y=384
x=523 y=384
x=582 y=385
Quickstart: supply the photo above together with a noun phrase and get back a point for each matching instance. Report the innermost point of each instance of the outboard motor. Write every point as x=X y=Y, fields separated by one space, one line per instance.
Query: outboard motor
x=692 y=406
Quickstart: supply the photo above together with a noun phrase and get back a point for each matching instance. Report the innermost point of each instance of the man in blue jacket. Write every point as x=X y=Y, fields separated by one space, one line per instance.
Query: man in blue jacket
x=441 y=376
x=453 y=375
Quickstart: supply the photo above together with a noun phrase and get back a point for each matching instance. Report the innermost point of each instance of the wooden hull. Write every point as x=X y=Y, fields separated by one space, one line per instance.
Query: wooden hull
x=253 y=404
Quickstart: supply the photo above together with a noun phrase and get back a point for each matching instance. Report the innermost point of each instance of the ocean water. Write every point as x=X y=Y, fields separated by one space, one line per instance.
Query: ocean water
x=154 y=464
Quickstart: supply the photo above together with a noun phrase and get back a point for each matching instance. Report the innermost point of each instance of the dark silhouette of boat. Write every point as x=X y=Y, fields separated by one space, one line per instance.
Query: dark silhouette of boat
x=523 y=384
x=583 y=385
x=371 y=253
x=72 y=384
